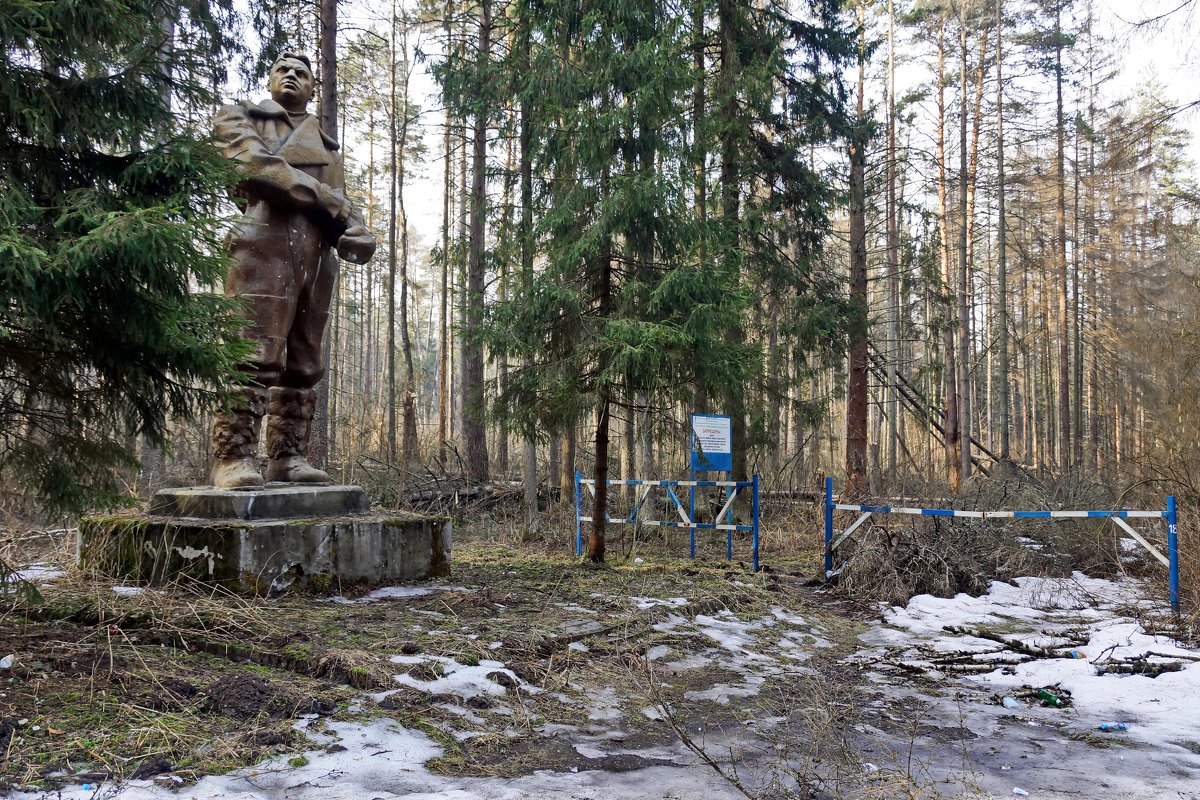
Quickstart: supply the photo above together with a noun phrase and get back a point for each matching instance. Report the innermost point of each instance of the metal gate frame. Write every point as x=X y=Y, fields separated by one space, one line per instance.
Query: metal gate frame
x=1170 y=561
x=686 y=516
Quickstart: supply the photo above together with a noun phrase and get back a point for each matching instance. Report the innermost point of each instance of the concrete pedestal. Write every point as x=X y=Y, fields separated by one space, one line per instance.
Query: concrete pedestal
x=268 y=540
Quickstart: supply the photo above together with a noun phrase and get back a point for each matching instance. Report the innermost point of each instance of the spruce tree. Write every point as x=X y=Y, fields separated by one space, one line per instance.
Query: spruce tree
x=109 y=208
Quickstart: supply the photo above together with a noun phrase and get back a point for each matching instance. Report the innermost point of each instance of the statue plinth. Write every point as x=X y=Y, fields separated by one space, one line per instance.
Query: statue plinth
x=268 y=540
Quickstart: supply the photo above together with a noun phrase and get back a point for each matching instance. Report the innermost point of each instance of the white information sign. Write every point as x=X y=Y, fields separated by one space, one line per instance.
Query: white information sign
x=713 y=434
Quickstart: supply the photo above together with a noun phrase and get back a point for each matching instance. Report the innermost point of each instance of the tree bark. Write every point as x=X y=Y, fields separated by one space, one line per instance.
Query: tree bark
x=893 y=259
x=856 y=389
x=1001 y=245
x=529 y=450
x=393 y=227
x=444 y=320
x=949 y=370
x=409 y=444
x=735 y=396
x=318 y=445
x=964 y=288
x=474 y=433
x=1064 y=342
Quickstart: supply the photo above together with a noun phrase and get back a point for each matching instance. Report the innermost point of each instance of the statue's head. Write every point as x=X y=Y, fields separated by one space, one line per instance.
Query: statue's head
x=291 y=81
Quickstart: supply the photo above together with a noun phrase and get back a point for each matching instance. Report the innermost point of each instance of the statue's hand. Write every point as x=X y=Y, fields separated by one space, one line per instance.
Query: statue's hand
x=356 y=245
x=335 y=204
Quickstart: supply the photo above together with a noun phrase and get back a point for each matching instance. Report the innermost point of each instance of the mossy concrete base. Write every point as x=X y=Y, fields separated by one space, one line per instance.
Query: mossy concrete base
x=268 y=556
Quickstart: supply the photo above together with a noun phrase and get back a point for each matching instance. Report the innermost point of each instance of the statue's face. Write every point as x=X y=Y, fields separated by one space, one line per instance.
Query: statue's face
x=291 y=84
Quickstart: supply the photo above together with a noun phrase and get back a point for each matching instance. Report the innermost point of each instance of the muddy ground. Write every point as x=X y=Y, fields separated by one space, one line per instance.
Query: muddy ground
x=522 y=664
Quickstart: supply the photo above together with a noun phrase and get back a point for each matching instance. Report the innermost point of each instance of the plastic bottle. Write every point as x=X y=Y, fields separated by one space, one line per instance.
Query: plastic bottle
x=1113 y=727
x=1050 y=698
x=1010 y=702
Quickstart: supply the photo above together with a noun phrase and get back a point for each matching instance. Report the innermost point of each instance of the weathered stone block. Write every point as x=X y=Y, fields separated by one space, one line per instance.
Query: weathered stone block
x=248 y=553
x=274 y=501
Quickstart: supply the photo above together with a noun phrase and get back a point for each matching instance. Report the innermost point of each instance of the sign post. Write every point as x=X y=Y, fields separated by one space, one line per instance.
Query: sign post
x=712 y=451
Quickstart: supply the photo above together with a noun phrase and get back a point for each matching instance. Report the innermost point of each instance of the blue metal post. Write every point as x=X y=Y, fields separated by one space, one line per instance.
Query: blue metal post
x=828 y=527
x=731 y=490
x=692 y=505
x=578 y=513
x=754 y=508
x=1173 y=551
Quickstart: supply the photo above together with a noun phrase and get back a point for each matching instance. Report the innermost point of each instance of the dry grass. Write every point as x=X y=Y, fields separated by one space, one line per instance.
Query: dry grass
x=895 y=562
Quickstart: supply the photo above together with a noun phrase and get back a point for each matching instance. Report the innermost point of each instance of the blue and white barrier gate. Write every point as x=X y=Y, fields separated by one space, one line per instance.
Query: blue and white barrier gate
x=726 y=512
x=1170 y=561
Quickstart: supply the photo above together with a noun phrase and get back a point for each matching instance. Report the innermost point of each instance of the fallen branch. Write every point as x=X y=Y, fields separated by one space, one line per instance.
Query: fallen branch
x=669 y=717
x=1012 y=644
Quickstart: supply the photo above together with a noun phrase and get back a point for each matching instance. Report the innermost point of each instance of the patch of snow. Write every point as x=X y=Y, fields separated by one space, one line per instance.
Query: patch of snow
x=722 y=692
x=464 y=712
x=605 y=706
x=730 y=632
x=657 y=652
x=397 y=593
x=644 y=603
x=38 y=573
x=669 y=624
x=783 y=615
x=578 y=647
x=128 y=591
x=461 y=680
x=694 y=661
x=574 y=608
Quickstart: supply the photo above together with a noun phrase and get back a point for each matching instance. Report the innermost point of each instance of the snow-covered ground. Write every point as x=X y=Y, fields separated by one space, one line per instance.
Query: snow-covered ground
x=983 y=660
x=944 y=705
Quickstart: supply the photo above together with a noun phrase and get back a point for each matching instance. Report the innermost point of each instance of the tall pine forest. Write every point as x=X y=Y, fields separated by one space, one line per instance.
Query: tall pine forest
x=909 y=245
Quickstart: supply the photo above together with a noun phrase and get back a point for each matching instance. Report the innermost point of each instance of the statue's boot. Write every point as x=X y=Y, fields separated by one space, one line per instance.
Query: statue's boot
x=235 y=441
x=289 y=422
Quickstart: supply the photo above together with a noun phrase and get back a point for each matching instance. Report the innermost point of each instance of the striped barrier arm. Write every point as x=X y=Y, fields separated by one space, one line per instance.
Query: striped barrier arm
x=1170 y=560
x=946 y=512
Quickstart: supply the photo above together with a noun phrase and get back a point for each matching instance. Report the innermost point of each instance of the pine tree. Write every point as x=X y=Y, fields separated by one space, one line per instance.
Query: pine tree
x=108 y=216
x=775 y=95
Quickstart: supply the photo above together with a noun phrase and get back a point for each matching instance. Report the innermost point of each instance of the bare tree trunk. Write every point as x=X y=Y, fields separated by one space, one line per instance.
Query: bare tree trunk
x=529 y=453
x=1001 y=244
x=444 y=321
x=949 y=370
x=647 y=441
x=604 y=400
x=408 y=443
x=893 y=259
x=393 y=228
x=595 y=550
x=563 y=463
x=474 y=433
x=964 y=287
x=502 y=293
x=856 y=389
x=318 y=445
x=730 y=67
x=1064 y=342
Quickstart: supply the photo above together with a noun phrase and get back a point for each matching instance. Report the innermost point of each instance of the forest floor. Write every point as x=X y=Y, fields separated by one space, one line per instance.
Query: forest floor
x=527 y=675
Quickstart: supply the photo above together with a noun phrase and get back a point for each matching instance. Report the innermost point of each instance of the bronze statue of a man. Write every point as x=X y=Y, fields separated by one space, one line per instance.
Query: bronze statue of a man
x=295 y=213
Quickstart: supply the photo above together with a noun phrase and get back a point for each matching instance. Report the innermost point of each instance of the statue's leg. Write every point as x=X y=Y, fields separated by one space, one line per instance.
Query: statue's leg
x=294 y=402
x=262 y=279
x=288 y=427
x=235 y=441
